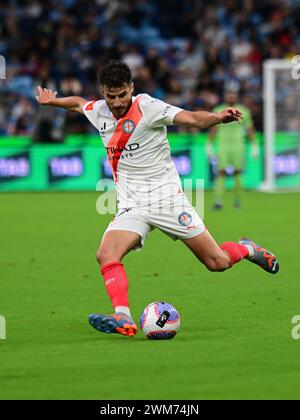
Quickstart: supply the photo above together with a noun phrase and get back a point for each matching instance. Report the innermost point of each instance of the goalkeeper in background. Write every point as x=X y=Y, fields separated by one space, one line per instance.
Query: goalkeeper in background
x=231 y=148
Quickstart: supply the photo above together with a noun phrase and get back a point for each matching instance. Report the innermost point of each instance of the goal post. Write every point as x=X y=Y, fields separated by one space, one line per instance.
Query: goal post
x=281 y=97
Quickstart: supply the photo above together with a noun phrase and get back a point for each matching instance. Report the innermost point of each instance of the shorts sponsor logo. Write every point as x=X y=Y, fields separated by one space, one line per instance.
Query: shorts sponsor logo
x=185 y=219
x=128 y=126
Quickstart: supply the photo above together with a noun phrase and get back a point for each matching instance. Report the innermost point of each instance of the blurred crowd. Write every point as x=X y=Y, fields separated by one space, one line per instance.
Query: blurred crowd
x=184 y=52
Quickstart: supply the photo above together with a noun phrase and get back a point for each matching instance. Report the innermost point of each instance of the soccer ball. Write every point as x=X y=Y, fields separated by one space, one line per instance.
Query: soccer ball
x=160 y=321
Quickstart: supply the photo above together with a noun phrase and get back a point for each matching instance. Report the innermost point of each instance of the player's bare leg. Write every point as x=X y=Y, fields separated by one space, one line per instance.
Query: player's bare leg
x=114 y=246
x=220 y=258
x=205 y=248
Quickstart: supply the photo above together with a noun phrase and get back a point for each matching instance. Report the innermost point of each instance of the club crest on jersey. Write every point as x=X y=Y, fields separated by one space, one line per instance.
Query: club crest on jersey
x=128 y=126
x=185 y=219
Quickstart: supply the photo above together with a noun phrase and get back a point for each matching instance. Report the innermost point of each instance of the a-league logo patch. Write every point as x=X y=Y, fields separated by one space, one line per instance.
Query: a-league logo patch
x=185 y=219
x=128 y=126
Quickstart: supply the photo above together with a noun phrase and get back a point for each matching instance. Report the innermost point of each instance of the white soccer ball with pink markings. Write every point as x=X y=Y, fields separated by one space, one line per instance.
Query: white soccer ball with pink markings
x=160 y=321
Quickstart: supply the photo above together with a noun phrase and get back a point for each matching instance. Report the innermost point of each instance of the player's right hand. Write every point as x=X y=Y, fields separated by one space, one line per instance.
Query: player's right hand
x=45 y=96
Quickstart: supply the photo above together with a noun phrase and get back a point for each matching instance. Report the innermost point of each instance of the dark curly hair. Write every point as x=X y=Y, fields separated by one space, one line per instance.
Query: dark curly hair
x=115 y=74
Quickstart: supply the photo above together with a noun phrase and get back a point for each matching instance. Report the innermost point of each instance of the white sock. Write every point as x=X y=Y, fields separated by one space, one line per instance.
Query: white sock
x=123 y=309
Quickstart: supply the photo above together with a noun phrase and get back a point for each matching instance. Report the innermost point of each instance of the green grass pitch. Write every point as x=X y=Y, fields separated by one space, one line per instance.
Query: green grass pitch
x=235 y=340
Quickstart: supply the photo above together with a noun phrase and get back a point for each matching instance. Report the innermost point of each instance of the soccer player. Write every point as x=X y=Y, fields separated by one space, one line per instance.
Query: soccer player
x=149 y=191
x=231 y=148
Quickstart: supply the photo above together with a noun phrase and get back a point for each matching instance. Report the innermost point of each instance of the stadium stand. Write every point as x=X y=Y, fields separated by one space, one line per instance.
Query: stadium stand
x=184 y=52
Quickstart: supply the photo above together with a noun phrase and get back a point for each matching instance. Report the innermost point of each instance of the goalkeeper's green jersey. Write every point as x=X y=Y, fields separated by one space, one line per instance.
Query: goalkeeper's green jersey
x=233 y=133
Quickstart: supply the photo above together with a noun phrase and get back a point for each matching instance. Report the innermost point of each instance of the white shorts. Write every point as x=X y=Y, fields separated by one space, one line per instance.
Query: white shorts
x=179 y=220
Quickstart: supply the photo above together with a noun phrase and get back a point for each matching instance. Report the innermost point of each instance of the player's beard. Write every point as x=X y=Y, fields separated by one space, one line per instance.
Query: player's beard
x=120 y=112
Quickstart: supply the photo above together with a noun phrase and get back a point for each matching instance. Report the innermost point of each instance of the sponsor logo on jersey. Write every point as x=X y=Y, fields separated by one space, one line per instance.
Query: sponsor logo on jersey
x=103 y=128
x=128 y=126
x=185 y=219
x=128 y=148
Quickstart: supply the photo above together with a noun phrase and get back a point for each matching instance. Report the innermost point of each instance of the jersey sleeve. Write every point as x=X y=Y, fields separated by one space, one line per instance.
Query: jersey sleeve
x=91 y=110
x=158 y=113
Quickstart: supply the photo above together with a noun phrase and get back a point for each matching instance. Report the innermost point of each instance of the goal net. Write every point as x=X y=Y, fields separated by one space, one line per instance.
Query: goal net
x=282 y=124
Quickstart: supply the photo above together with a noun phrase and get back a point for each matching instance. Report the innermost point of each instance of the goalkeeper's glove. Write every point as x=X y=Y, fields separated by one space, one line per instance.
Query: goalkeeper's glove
x=254 y=150
x=209 y=150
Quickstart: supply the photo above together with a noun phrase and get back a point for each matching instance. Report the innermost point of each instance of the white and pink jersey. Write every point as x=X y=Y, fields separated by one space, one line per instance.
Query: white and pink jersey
x=138 y=150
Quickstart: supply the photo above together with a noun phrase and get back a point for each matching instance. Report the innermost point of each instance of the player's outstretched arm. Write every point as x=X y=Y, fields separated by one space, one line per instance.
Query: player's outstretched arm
x=70 y=103
x=204 y=120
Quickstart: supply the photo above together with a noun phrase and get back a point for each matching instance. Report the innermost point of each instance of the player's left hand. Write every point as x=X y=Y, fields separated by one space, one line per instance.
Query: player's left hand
x=45 y=96
x=209 y=150
x=254 y=150
x=229 y=115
